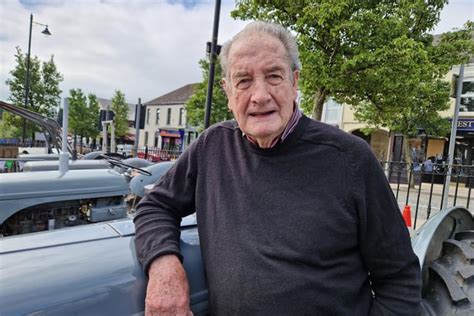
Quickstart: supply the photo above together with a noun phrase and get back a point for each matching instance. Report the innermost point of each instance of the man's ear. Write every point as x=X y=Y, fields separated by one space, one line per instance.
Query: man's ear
x=225 y=85
x=296 y=78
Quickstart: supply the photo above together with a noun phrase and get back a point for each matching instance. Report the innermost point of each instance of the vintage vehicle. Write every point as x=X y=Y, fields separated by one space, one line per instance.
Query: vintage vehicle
x=445 y=247
x=66 y=240
x=48 y=200
x=86 y=270
x=67 y=248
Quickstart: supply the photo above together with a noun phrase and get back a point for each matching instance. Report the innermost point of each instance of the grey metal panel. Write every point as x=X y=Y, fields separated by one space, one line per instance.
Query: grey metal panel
x=57 y=237
x=73 y=165
x=107 y=213
x=97 y=277
x=39 y=156
x=21 y=190
x=27 y=185
x=138 y=183
x=123 y=227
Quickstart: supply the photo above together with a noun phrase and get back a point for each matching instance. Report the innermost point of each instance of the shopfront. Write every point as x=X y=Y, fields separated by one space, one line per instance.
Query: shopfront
x=172 y=139
x=464 y=149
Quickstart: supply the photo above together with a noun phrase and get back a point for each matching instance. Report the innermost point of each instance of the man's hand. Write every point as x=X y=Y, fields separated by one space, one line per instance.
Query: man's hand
x=168 y=288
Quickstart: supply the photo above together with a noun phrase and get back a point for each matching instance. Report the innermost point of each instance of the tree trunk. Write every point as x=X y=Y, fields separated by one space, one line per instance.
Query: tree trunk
x=80 y=144
x=408 y=160
x=319 y=99
x=75 y=140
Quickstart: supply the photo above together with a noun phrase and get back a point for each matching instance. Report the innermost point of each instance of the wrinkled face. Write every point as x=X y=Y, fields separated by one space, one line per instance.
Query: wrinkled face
x=260 y=86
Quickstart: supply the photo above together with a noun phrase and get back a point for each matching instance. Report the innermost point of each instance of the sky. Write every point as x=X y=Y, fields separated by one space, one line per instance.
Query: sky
x=145 y=48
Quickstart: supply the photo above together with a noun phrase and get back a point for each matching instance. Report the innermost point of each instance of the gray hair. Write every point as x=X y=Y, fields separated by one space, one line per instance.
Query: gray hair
x=275 y=30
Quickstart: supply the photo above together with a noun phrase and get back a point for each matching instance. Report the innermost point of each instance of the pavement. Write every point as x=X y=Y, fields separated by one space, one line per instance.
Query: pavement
x=426 y=201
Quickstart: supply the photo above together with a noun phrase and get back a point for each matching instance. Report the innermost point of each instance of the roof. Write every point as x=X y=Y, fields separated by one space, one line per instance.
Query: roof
x=178 y=96
x=105 y=104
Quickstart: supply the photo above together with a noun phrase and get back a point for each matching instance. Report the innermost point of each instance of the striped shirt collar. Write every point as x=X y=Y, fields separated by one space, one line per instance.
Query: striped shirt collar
x=294 y=119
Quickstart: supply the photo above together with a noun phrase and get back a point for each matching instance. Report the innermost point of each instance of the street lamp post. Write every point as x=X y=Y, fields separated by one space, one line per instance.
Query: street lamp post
x=27 y=82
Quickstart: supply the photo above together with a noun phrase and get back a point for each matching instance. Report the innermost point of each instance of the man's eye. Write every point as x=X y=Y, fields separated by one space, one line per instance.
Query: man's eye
x=243 y=83
x=274 y=79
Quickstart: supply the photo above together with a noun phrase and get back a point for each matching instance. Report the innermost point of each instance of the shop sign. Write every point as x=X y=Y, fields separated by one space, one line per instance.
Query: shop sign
x=169 y=133
x=464 y=124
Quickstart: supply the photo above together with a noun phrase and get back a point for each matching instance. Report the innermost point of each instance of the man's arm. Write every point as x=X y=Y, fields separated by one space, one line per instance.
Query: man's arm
x=168 y=288
x=394 y=269
x=157 y=227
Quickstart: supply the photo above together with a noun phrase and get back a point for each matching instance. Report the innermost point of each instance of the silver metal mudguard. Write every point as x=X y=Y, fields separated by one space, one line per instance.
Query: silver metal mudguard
x=428 y=240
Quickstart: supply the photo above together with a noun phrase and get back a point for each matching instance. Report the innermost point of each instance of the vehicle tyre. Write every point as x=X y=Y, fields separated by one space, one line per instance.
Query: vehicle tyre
x=450 y=286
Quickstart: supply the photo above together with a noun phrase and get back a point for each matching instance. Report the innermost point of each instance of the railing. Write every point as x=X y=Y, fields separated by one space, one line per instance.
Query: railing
x=154 y=154
x=422 y=186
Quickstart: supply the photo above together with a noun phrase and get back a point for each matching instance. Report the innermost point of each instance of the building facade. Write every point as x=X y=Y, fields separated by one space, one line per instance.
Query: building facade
x=165 y=121
x=388 y=145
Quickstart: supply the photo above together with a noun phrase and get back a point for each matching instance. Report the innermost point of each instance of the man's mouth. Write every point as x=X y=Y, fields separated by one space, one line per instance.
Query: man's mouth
x=262 y=114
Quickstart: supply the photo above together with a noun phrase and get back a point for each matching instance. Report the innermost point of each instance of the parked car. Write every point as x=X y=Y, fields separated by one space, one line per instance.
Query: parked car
x=125 y=150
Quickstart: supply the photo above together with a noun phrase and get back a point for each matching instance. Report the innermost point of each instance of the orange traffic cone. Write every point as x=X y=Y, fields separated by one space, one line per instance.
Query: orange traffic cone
x=407 y=215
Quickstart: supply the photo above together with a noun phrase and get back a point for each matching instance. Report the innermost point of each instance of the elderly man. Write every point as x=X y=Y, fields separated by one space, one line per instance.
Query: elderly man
x=295 y=217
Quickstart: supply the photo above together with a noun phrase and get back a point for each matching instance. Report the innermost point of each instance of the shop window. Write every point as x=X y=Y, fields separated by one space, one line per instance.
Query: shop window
x=467 y=97
x=332 y=112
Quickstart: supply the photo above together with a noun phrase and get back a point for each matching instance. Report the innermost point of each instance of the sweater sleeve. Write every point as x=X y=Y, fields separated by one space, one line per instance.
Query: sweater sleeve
x=159 y=213
x=394 y=269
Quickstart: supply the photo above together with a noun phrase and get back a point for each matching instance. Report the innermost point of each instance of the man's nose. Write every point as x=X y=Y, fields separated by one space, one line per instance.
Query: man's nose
x=260 y=92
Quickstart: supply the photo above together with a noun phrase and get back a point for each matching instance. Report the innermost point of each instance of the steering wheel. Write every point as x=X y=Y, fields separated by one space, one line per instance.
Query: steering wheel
x=115 y=162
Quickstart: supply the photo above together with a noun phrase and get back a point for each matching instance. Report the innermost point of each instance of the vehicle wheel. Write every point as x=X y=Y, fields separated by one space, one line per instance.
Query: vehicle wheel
x=450 y=287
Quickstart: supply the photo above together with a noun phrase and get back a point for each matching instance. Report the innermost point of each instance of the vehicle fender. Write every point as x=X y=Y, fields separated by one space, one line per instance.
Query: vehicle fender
x=428 y=240
x=138 y=183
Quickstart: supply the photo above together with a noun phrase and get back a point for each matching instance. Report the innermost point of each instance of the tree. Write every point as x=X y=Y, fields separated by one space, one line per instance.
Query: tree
x=376 y=56
x=348 y=46
x=6 y=131
x=44 y=89
x=120 y=109
x=83 y=115
x=196 y=104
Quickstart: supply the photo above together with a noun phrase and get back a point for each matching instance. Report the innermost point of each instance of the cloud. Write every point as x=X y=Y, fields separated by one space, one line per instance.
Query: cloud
x=143 y=48
x=455 y=15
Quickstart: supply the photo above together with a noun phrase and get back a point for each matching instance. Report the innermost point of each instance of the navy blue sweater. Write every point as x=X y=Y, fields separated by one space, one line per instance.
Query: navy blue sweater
x=309 y=227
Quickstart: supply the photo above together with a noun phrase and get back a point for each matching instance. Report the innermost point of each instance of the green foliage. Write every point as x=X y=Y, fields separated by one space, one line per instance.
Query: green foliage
x=77 y=102
x=83 y=113
x=44 y=96
x=94 y=112
x=6 y=131
x=120 y=108
x=196 y=105
x=376 y=56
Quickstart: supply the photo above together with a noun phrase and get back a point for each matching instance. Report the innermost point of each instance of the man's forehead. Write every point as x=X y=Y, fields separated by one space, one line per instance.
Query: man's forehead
x=245 y=68
x=257 y=51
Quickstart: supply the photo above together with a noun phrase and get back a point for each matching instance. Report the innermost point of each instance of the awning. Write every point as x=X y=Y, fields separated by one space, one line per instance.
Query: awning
x=170 y=133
